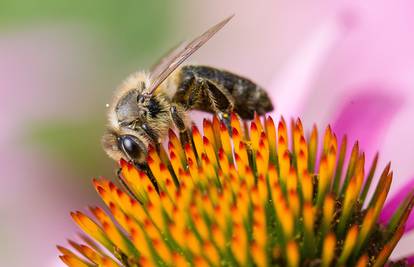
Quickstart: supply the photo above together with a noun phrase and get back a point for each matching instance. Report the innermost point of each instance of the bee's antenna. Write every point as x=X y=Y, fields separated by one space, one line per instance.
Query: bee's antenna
x=125 y=185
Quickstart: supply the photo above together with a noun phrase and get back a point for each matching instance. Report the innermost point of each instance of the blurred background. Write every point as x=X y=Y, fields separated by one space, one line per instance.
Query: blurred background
x=347 y=64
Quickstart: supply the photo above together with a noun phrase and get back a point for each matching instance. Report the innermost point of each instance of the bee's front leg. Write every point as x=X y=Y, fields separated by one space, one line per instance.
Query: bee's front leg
x=156 y=140
x=179 y=123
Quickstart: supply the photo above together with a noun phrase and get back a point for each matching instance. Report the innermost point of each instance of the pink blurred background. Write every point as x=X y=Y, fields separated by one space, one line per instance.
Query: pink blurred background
x=347 y=64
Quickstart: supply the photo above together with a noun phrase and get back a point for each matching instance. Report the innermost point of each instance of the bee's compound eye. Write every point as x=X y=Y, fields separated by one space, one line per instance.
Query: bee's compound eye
x=131 y=147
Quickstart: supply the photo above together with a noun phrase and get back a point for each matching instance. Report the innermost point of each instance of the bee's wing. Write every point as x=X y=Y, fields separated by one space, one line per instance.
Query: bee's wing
x=161 y=64
x=181 y=53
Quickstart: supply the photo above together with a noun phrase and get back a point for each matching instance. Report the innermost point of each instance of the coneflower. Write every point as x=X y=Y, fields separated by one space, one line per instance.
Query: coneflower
x=254 y=195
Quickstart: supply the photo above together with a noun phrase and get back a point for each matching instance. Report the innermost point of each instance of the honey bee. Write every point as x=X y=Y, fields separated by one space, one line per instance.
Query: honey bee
x=147 y=105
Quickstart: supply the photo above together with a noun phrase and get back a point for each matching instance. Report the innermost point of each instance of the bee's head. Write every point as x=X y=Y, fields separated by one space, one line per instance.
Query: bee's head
x=135 y=105
x=126 y=145
x=131 y=113
x=124 y=107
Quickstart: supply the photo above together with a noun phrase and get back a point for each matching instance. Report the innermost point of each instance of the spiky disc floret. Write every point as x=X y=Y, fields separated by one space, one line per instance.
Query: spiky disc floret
x=243 y=197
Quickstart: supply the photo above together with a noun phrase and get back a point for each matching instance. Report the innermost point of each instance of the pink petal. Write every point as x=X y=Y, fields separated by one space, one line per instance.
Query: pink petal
x=392 y=205
x=410 y=260
x=291 y=87
x=365 y=116
x=37 y=71
x=407 y=260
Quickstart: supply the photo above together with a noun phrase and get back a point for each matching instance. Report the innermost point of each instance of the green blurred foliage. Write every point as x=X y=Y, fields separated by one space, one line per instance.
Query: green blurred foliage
x=134 y=26
x=77 y=143
x=128 y=30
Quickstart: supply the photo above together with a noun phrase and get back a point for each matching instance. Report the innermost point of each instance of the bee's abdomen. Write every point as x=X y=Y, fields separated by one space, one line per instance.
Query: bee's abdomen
x=248 y=96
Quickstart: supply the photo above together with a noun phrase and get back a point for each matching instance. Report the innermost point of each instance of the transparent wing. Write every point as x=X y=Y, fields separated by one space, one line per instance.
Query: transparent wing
x=161 y=64
x=180 y=54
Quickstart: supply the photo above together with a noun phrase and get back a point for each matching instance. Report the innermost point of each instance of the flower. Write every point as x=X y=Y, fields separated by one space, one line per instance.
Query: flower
x=253 y=195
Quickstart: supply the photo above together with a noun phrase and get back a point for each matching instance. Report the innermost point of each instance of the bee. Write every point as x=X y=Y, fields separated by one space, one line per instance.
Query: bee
x=146 y=105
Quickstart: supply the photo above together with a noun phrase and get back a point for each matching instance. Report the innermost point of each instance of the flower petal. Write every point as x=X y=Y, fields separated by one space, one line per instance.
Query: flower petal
x=410 y=260
x=366 y=116
x=393 y=204
x=291 y=87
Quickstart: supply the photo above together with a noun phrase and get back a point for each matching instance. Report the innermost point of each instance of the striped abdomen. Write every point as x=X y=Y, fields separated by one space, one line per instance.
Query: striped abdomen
x=248 y=97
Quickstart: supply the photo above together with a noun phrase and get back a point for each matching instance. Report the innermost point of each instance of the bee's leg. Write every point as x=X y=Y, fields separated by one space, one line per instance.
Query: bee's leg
x=152 y=135
x=215 y=91
x=156 y=140
x=146 y=169
x=179 y=122
x=225 y=118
